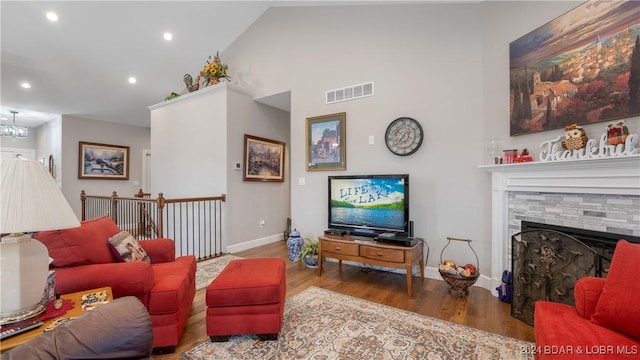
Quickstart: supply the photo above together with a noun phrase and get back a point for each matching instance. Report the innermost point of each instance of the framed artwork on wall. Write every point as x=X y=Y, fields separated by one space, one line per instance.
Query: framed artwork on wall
x=263 y=159
x=582 y=67
x=326 y=142
x=103 y=161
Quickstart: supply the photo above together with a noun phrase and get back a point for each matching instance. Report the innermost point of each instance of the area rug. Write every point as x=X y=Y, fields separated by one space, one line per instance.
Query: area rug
x=207 y=270
x=322 y=324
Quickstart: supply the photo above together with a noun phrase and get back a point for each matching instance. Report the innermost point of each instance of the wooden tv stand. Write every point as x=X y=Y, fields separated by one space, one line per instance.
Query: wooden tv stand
x=368 y=251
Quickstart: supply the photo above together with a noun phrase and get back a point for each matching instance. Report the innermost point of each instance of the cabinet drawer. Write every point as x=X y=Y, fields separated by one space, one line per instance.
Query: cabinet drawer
x=339 y=248
x=382 y=254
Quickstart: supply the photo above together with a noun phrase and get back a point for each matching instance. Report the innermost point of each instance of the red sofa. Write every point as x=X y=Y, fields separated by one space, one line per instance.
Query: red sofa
x=83 y=259
x=605 y=321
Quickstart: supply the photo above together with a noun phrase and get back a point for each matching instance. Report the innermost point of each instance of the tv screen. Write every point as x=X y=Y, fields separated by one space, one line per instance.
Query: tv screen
x=369 y=204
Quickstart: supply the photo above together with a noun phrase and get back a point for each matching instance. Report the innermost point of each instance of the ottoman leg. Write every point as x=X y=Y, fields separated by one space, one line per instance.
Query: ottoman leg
x=267 y=337
x=220 y=338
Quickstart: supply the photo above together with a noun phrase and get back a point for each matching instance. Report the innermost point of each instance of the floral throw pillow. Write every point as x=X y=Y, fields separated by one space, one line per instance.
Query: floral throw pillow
x=127 y=248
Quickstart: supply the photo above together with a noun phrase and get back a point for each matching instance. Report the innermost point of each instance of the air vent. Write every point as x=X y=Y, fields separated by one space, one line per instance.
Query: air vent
x=350 y=93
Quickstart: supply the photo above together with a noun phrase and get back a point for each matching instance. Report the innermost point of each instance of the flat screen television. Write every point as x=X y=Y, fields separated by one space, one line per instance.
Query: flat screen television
x=368 y=205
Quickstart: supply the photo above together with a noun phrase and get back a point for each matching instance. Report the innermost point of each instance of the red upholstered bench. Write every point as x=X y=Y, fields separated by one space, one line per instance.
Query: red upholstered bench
x=247 y=298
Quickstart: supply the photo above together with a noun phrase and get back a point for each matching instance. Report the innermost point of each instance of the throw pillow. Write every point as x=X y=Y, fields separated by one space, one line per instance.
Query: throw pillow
x=617 y=308
x=128 y=248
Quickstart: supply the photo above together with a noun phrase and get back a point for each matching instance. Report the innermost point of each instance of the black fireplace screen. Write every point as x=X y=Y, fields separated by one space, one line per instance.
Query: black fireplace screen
x=546 y=265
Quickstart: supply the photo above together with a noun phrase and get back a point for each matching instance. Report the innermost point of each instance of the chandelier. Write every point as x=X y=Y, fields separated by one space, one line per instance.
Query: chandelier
x=16 y=132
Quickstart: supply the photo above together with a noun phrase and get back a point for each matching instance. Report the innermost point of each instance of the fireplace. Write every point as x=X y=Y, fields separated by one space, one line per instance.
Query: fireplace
x=603 y=243
x=602 y=195
x=546 y=266
x=547 y=260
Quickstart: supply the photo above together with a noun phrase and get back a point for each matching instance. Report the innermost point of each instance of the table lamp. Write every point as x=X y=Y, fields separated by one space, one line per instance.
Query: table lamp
x=30 y=201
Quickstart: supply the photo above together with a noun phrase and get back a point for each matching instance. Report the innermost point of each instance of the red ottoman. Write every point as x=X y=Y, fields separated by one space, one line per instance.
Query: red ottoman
x=247 y=298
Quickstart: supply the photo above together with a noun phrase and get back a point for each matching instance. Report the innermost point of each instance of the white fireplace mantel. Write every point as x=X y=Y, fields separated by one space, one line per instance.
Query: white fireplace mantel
x=612 y=175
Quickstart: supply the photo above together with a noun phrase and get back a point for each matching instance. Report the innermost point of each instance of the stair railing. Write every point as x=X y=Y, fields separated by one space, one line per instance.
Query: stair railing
x=195 y=224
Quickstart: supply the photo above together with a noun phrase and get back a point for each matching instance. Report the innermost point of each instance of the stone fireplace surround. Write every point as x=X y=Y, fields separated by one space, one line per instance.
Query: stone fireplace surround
x=599 y=194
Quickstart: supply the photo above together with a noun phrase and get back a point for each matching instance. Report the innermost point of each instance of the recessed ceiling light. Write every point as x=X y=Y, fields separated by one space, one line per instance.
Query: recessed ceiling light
x=52 y=16
x=26 y=85
x=168 y=36
x=132 y=80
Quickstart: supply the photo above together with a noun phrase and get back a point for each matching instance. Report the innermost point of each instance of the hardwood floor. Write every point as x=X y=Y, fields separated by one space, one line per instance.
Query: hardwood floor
x=479 y=310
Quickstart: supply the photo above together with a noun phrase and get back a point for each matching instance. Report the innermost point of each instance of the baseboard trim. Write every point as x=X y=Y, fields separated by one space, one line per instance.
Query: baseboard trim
x=254 y=243
x=429 y=272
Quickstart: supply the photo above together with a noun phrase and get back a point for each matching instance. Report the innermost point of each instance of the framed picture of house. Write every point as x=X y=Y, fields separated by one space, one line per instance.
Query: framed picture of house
x=263 y=159
x=582 y=67
x=326 y=142
x=103 y=161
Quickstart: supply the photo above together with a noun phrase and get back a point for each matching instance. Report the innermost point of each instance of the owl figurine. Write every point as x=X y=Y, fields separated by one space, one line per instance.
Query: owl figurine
x=188 y=81
x=575 y=137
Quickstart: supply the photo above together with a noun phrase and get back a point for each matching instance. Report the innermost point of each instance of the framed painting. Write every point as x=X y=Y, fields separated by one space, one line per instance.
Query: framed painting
x=263 y=159
x=582 y=67
x=103 y=161
x=326 y=142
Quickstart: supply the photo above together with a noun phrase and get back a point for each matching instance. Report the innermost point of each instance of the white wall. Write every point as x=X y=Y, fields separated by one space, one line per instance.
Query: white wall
x=447 y=65
x=49 y=143
x=74 y=130
x=188 y=145
x=197 y=138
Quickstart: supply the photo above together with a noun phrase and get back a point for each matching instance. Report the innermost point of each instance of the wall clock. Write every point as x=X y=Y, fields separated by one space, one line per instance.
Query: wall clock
x=404 y=136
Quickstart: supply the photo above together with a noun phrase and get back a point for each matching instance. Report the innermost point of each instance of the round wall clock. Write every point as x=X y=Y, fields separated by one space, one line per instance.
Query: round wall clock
x=404 y=136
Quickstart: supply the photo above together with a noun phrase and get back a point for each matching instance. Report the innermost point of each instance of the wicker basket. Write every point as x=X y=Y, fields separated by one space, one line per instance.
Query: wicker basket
x=458 y=282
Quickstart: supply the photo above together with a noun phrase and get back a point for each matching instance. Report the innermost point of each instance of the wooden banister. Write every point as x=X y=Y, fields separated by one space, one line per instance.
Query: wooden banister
x=196 y=220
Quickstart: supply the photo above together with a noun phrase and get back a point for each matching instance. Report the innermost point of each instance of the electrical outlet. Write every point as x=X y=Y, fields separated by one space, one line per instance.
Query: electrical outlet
x=261 y=223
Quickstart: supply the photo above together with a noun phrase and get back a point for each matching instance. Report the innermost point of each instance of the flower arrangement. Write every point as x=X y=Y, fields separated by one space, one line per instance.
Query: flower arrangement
x=214 y=71
x=209 y=75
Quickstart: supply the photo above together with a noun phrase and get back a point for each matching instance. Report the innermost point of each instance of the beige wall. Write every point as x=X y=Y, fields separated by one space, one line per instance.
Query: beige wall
x=426 y=62
x=446 y=65
x=74 y=130
x=249 y=202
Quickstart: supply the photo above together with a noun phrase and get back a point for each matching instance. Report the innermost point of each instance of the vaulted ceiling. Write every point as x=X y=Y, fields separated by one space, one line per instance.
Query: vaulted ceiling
x=80 y=65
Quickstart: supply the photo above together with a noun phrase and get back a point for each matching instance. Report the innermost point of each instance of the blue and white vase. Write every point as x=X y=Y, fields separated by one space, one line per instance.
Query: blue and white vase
x=294 y=244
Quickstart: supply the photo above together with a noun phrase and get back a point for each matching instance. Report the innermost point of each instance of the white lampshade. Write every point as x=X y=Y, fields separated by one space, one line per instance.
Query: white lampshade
x=30 y=201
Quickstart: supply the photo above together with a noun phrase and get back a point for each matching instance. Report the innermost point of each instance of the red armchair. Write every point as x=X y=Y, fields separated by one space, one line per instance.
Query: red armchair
x=603 y=324
x=83 y=259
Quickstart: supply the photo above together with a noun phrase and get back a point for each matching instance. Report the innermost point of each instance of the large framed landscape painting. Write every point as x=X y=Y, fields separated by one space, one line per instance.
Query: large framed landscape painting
x=103 y=161
x=582 y=67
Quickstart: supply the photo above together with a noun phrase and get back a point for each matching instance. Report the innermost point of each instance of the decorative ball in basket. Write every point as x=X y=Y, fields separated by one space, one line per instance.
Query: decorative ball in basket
x=459 y=278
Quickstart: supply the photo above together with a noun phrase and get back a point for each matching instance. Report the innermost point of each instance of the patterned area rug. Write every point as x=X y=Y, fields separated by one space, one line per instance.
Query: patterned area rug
x=322 y=324
x=207 y=270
